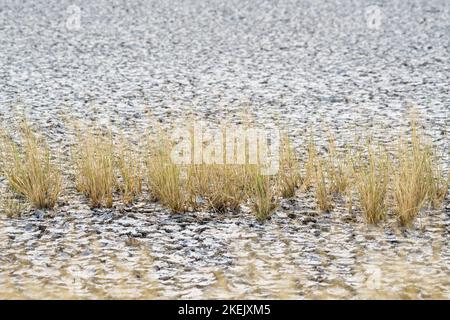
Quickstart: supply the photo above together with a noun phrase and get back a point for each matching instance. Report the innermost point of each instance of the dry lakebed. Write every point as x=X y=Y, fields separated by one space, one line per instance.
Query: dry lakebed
x=352 y=67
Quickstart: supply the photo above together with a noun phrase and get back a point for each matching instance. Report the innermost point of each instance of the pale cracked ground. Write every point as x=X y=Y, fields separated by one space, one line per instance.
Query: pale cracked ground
x=352 y=66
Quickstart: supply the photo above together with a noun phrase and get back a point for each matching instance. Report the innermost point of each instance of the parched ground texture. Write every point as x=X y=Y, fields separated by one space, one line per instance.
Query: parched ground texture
x=351 y=66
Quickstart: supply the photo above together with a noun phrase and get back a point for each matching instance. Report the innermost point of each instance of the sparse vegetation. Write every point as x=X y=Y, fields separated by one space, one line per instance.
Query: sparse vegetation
x=438 y=184
x=417 y=178
x=164 y=177
x=322 y=189
x=372 y=184
x=310 y=165
x=263 y=199
x=94 y=163
x=289 y=178
x=102 y=168
x=130 y=171
x=221 y=186
x=29 y=169
x=211 y=186
x=338 y=167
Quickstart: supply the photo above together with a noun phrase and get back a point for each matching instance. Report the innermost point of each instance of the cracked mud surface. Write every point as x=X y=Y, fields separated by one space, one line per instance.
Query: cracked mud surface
x=300 y=63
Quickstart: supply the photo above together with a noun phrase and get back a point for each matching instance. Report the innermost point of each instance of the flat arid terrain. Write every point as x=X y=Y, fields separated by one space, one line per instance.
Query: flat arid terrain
x=94 y=206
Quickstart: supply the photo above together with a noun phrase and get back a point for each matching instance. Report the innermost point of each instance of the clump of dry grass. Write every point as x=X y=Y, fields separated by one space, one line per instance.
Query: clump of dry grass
x=263 y=198
x=372 y=180
x=221 y=186
x=289 y=172
x=218 y=186
x=416 y=179
x=246 y=182
x=94 y=163
x=310 y=165
x=164 y=177
x=192 y=186
x=339 y=169
x=29 y=170
x=130 y=171
x=198 y=176
x=101 y=169
x=317 y=175
x=439 y=190
x=438 y=184
x=322 y=189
